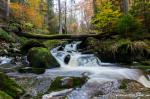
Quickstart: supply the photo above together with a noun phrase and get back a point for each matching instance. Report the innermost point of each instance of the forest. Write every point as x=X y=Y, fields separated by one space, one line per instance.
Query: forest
x=74 y=49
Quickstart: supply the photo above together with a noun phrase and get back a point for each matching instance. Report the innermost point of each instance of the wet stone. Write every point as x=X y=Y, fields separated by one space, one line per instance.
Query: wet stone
x=61 y=83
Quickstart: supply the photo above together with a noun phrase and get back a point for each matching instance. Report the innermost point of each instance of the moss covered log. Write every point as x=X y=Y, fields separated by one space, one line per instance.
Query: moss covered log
x=65 y=36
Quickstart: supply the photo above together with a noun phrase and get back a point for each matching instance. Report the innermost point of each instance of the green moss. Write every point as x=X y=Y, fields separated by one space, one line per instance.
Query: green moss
x=22 y=40
x=10 y=87
x=123 y=84
x=5 y=35
x=118 y=49
x=111 y=50
x=30 y=44
x=57 y=84
x=4 y=95
x=41 y=58
x=53 y=43
x=143 y=67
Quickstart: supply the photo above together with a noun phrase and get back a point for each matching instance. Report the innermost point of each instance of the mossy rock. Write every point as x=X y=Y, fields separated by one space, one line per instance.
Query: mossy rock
x=53 y=43
x=10 y=87
x=39 y=57
x=30 y=44
x=90 y=43
x=5 y=35
x=122 y=51
x=132 y=86
x=22 y=40
x=123 y=84
x=61 y=83
x=32 y=70
x=4 y=95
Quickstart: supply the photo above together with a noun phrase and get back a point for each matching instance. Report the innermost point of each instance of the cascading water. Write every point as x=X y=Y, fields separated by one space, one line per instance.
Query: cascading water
x=95 y=69
x=4 y=60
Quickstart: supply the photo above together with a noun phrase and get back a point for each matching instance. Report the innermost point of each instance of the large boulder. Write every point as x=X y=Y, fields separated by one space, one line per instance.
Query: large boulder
x=39 y=57
x=61 y=83
x=30 y=44
x=9 y=86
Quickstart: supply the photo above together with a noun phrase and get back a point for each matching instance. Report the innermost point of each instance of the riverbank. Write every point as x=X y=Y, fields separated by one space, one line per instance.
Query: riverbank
x=37 y=85
x=119 y=50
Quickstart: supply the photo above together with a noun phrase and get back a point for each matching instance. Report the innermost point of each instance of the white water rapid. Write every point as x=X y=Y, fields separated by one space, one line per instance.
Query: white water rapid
x=4 y=60
x=72 y=60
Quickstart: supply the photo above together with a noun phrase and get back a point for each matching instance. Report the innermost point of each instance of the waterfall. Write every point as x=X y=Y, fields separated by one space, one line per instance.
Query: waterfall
x=72 y=60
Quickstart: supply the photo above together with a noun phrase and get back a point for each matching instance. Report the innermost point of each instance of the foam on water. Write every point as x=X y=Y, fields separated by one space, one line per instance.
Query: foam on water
x=97 y=71
x=4 y=60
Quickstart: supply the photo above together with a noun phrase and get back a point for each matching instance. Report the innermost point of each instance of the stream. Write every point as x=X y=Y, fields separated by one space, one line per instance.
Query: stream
x=72 y=60
x=4 y=60
x=103 y=78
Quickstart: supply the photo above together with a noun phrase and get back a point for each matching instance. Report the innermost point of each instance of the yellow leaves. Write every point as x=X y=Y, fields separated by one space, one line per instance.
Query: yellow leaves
x=106 y=17
x=108 y=10
x=28 y=14
x=17 y=10
x=34 y=3
x=39 y=21
x=16 y=6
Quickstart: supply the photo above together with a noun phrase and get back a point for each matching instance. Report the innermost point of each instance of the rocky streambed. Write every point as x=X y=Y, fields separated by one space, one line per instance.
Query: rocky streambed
x=69 y=80
x=58 y=84
x=76 y=82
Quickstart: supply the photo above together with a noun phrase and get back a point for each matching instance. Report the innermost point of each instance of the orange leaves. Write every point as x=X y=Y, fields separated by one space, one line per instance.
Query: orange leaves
x=34 y=17
x=30 y=12
x=27 y=14
x=16 y=6
x=17 y=10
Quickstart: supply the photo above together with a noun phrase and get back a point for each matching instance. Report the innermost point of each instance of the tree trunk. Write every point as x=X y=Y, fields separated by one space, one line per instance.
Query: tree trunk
x=41 y=36
x=60 y=19
x=94 y=7
x=8 y=9
x=125 y=6
x=65 y=17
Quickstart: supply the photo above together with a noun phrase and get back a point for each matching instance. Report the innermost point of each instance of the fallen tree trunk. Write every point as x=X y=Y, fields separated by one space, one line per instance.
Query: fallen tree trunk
x=64 y=36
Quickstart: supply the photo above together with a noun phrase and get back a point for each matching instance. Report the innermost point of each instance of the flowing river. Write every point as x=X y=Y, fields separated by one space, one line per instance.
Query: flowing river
x=71 y=59
x=103 y=78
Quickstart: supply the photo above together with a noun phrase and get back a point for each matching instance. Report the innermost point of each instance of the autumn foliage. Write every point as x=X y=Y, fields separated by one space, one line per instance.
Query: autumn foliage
x=106 y=17
x=26 y=14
